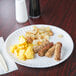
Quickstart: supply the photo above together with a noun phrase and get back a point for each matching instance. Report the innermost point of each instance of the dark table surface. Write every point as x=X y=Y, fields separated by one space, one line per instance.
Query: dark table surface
x=61 y=13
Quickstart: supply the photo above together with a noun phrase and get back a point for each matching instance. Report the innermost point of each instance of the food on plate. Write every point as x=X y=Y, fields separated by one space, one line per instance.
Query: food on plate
x=22 y=40
x=56 y=50
x=42 y=51
x=37 y=41
x=29 y=52
x=37 y=48
x=12 y=48
x=39 y=35
x=57 y=53
x=50 y=52
x=29 y=39
x=21 y=54
x=60 y=36
x=23 y=50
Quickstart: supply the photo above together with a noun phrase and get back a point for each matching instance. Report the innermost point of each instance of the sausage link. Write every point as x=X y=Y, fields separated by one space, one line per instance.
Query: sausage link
x=44 y=49
x=50 y=52
x=57 y=53
x=37 y=48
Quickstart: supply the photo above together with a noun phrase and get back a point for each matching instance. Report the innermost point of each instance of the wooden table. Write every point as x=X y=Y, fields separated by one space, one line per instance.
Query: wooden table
x=61 y=13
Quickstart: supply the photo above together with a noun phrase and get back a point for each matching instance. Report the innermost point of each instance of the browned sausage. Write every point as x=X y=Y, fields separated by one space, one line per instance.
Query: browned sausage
x=50 y=52
x=37 y=48
x=57 y=53
x=42 y=51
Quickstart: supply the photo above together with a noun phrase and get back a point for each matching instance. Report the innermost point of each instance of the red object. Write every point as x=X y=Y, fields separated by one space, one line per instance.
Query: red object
x=61 y=13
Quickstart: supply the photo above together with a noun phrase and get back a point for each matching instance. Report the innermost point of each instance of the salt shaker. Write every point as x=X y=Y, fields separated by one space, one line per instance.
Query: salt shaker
x=34 y=9
x=21 y=11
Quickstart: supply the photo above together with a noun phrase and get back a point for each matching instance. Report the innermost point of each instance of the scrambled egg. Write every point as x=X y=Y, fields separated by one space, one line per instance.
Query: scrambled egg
x=29 y=53
x=23 y=50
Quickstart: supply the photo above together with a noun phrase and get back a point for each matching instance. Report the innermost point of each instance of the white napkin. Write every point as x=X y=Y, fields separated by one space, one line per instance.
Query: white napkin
x=9 y=61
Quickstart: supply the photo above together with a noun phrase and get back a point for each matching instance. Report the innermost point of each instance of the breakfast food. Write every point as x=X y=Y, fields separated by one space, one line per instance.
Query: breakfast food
x=42 y=51
x=29 y=39
x=36 y=41
x=50 y=52
x=37 y=48
x=57 y=53
x=23 y=50
x=39 y=35
x=29 y=52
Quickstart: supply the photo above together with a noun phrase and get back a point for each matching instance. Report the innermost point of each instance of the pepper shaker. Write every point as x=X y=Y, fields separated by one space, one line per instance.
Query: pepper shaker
x=34 y=9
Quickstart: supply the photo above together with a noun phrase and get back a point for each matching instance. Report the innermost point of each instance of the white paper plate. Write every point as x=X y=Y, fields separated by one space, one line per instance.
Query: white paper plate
x=42 y=62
